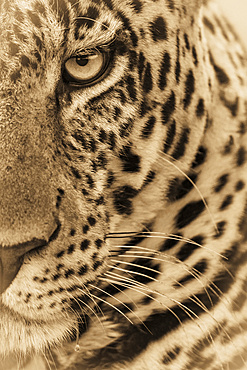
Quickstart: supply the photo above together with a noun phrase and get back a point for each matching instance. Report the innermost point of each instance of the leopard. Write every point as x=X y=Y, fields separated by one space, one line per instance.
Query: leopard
x=123 y=172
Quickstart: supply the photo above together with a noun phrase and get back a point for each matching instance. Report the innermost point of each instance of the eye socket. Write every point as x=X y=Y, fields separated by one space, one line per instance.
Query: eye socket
x=86 y=70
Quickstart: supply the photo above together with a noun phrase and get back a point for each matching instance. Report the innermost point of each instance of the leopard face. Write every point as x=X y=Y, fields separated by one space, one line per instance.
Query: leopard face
x=122 y=181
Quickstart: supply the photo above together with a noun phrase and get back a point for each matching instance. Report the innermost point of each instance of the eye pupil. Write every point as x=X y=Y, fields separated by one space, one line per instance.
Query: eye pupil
x=82 y=61
x=86 y=69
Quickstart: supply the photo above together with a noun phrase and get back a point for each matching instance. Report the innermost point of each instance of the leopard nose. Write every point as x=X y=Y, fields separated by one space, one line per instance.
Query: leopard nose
x=11 y=259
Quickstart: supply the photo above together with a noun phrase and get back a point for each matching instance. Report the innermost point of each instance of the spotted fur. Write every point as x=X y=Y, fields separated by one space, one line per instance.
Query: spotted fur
x=122 y=186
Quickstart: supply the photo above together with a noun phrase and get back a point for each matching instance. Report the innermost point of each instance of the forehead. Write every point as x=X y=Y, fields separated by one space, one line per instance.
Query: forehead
x=54 y=22
x=75 y=25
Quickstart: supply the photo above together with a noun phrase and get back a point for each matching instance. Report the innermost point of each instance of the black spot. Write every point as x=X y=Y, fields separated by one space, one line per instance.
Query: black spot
x=55 y=277
x=148 y=128
x=209 y=24
x=147 y=80
x=72 y=232
x=109 y=4
x=171 y=355
x=221 y=182
x=180 y=188
x=97 y=264
x=112 y=140
x=220 y=229
x=241 y=156
x=200 y=157
x=147 y=299
x=100 y=201
x=231 y=253
x=242 y=128
x=58 y=202
x=71 y=249
x=130 y=84
x=60 y=254
x=229 y=145
x=226 y=202
x=131 y=161
x=110 y=179
x=232 y=106
x=102 y=136
x=73 y=288
x=188 y=248
x=141 y=64
x=90 y=180
x=158 y=29
x=101 y=160
x=178 y=65
x=25 y=61
x=194 y=53
x=200 y=108
x=239 y=185
x=28 y=296
x=44 y=280
x=189 y=213
x=171 y=4
x=126 y=128
x=168 y=108
x=85 y=229
x=85 y=244
x=98 y=243
x=144 y=108
x=150 y=177
x=199 y=268
x=132 y=59
x=189 y=89
x=75 y=172
x=164 y=70
x=221 y=75
x=186 y=40
x=171 y=132
x=91 y=221
x=181 y=145
x=137 y=5
x=122 y=199
x=83 y=270
x=84 y=192
x=117 y=113
x=68 y=273
x=170 y=243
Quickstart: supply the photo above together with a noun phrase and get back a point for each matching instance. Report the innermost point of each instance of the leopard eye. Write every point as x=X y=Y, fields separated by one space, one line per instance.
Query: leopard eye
x=85 y=70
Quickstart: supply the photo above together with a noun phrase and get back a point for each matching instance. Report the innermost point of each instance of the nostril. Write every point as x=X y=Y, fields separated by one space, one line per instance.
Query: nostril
x=11 y=259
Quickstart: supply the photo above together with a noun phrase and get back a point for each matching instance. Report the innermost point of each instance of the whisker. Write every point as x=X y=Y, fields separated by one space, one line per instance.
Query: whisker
x=188 y=270
x=109 y=304
x=187 y=310
x=194 y=272
x=88 y=294
x=195 y=187
x=134 y=288
x=179 y=239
